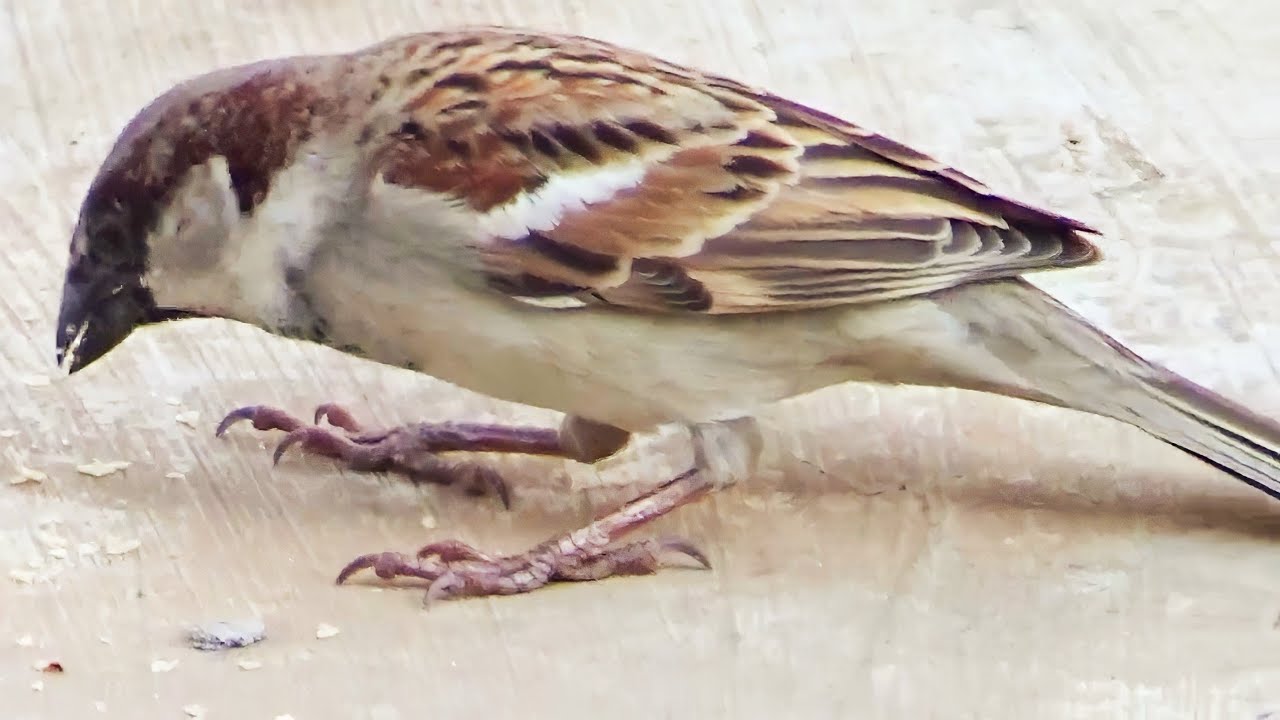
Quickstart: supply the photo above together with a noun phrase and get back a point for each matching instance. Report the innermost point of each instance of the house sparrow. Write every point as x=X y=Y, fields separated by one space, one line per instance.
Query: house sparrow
x=564 y=223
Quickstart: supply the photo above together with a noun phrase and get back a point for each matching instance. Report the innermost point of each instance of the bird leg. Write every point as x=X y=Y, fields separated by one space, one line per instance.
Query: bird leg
x=455 y=569
x=413 y=449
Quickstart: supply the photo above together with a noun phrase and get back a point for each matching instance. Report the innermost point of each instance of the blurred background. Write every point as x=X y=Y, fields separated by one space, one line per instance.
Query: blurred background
x=904 y=553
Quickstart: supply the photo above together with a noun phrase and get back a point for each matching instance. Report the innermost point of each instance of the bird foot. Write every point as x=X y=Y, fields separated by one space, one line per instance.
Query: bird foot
x=411 y=450
x=454 y=569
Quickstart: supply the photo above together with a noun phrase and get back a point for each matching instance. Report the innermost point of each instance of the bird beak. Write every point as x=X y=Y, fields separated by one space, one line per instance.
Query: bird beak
x=100 y=308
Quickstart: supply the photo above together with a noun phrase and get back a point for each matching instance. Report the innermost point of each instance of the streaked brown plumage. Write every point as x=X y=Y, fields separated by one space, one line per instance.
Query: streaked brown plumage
x=560 y=222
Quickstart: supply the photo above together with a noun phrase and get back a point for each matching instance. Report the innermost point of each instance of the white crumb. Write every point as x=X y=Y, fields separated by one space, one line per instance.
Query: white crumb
x=35 y=563
x=100 y=706
x=249 y=664
x=26 y=475
x=58 y=553
x=8 y=433
x=189 y=418
x=50 y=539
x=37 y=685
x=163 y=666
x=98 y=468
x=25 y=641
x=195 y=711
x=104 y=639
x=224 y=634
x=283 y=717
x=22 y=576
x=429 y=521
x=174 y=401
x=36 y=380
x=122 y=546
x=175 y=475
x=325 y=630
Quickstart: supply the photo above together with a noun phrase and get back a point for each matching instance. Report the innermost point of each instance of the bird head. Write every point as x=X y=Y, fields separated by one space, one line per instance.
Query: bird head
x=157 y=225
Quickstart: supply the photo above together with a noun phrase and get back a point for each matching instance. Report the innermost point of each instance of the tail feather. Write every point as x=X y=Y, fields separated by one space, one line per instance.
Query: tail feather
x=1036 y=348
x=1220 y=432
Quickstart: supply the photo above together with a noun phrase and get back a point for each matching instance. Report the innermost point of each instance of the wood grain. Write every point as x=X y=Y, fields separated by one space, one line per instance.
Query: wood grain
x=906 y=553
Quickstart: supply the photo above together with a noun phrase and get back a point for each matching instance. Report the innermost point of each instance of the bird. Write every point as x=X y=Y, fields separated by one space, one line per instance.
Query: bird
x=569 y=224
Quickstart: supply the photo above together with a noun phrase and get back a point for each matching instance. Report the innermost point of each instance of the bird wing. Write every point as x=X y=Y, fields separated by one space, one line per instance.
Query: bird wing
x=603 y=175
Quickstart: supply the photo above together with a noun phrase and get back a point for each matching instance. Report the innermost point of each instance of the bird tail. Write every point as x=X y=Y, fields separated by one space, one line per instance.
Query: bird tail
x=1043 y=351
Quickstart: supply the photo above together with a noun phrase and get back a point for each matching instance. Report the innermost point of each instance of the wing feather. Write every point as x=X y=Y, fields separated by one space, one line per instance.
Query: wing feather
x=603 y=175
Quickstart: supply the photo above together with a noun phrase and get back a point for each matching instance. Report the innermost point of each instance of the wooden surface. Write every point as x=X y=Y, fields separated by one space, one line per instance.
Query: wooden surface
x=905 y=553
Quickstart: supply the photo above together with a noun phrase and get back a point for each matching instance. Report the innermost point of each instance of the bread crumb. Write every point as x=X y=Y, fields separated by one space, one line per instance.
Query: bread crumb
x=325 y=630
x=122 y=546
x=104 y=639
x=36 y=380
x=22 y=576
x=98 y=468
x=249 y=664
x=190 y=418
x=100 y=706
x=8 y=433
x=175 y=475
x=174 y=401
x=58 y=553
x=28 y=475
x=225 y=634
x=195 y=711
x=163 y=666
x=37 y=685
x=25 y=641
x=50 y=539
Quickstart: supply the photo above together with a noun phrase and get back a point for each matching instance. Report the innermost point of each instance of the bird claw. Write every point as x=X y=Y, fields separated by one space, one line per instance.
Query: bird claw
x=405 y=450
x=453 y=569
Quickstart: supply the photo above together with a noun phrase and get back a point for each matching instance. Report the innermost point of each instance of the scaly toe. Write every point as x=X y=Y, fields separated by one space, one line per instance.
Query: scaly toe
x=263 y=417
x=338 y=416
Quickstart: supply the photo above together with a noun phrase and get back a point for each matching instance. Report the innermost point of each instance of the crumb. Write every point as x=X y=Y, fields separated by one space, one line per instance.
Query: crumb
x=249 y=664
x=100 y=706
x=222 y=634
x=283 y=717
x=37 y=685
x=36 y=380
x=163 y=666
x=58 y=553
x=195 y=711
x=429 y=521
x=49 y=666
x=25 y=641
x=22 y=576
x=175 y=475
x=122 y=546
x=35 y=563
x=28 y=475
x=104 y=639
x=97 y=468
x=50 y=539
x=190 y=418
x=174 y=401
x=7 y=433
x=325 y=630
